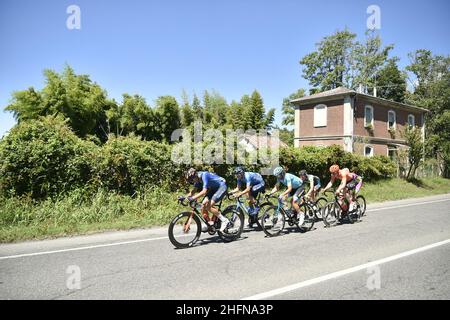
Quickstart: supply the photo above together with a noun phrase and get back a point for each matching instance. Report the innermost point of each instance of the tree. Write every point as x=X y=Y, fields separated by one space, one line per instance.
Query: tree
x=329 y=66
x=366 y=60
x=254 y=113
x=75 y=97
x=288 y=107
x=339 y=60
x=168 y=116
x=391 y=82
x=197 y=108
x=236 y=115
x=413 y=138
x=430 y=75
x=187 y=114
x=134 y=115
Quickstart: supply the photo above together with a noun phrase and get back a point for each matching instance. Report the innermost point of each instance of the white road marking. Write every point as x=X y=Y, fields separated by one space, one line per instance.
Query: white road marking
x=163 y=238
x=82 y=248
x=407 y=205
x=337 y=274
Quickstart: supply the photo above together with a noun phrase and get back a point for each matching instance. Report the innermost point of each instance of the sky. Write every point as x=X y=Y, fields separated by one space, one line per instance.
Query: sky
x=155 y=48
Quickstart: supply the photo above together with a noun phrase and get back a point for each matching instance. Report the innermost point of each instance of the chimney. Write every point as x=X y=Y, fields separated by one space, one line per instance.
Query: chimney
x=360 y=89
x=374 y=91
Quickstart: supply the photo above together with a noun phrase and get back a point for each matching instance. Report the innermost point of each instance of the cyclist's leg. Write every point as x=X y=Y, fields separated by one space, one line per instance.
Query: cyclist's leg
x=358 y=187
x=205 y=204
x=295 y=198
x=217 y=197
x=315 y=191
x=254 y=192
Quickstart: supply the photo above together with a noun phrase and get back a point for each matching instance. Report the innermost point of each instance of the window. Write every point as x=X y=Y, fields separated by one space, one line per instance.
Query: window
x=391 y=119
x=392 y=153
x=368 y=151
x=368 y=116
x=320 y=115
x=411 y=120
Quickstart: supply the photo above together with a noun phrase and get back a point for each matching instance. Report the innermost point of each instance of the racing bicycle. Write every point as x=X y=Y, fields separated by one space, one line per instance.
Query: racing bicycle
x=186 y=227
x=275 y=216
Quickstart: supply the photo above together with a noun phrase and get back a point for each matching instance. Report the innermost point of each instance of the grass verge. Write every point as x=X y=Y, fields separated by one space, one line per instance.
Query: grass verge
x=23 y=219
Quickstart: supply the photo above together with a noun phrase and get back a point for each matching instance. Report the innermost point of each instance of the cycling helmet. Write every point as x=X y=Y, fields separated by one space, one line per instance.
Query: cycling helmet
x=239 y=171
x=278 y=171
x=303 y=173
x=334 y=168
x=190 y=175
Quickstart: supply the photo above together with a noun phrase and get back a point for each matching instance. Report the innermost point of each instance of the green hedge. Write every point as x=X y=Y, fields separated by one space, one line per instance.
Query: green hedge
x=45 y=159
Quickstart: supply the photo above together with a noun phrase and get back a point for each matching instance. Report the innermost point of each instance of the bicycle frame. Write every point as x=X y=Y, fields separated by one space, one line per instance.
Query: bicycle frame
x=195 y=211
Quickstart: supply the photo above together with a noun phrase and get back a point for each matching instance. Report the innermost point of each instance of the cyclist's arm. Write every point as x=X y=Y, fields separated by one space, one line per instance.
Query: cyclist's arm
x=247 y=190
x=200 y=194
x=287 y=191
x=342 y=185
x=235 y=190
x=191 y=192
x=311 y=187
x=329 y=185
x=275 y=188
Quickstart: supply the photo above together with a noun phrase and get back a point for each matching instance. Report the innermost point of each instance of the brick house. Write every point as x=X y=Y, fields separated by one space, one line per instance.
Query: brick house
x=361 y=123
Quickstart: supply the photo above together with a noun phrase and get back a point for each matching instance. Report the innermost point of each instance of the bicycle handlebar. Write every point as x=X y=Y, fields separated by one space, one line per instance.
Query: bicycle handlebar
x=182 y=200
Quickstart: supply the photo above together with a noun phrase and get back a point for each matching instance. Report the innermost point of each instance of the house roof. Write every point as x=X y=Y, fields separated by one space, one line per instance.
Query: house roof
x=342 y=92
x=264 y=141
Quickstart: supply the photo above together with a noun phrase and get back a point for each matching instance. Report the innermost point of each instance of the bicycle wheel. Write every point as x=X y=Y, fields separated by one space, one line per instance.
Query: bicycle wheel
x=330 y=214
x=310 y=217
x=356 y=214
x=272 y=221
x=320 y=204
x=236 y=224
x=259 y=215
x=180 y=234
x=362 y=201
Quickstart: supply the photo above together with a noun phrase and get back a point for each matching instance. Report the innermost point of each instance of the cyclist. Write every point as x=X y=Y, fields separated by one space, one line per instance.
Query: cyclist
x=254 y=184
x=212 y=187
x=314 y=184
x=350 y=183
x=294 y=188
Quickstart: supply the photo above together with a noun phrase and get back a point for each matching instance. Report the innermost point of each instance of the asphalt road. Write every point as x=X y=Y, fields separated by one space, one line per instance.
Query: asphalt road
x=400 y=250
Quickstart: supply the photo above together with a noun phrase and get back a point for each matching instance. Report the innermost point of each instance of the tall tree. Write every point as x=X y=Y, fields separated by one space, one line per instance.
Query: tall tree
x=187 y=114
x=288 y=107
x=367 y=58
x=391 y=82
x=255 y=113
x=430 y=75
x=197 y=107
x=236 y=115
x=168 y=115
x=329 y=66
x=75 y=97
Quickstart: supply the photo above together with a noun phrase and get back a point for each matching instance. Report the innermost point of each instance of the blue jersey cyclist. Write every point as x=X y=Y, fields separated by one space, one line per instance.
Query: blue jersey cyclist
x=294 y=187
x=213 y=187
x=254 y=184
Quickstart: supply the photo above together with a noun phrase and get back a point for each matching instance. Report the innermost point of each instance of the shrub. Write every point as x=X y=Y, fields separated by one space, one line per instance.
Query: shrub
x=43 y=158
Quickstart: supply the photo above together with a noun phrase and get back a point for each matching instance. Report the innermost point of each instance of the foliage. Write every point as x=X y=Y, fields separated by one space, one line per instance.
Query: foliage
x=391 y=82
x=288 y=107
x=413 y=138
x=431 y=76
x=43 y=158
x=75 y=97
x=339 y=60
